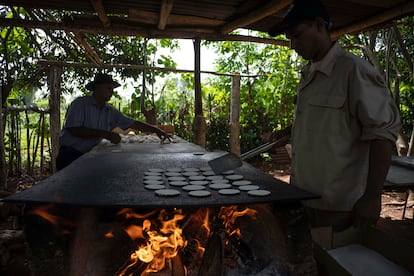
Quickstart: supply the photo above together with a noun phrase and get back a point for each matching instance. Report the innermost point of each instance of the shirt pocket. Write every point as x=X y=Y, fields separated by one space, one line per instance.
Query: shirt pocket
x=326 y=114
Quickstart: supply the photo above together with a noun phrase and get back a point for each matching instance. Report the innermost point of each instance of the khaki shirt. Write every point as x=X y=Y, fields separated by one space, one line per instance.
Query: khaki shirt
x=342 y=104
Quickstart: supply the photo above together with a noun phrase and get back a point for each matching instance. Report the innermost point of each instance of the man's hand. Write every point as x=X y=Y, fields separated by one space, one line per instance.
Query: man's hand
x=113 y=137
x=163 y=135
x=366 y=211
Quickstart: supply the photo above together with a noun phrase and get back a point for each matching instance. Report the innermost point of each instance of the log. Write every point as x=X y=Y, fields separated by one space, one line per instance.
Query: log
x=235 y=115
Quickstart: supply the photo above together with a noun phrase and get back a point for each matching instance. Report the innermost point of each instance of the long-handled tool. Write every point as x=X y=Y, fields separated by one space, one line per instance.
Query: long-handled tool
x=230 y=161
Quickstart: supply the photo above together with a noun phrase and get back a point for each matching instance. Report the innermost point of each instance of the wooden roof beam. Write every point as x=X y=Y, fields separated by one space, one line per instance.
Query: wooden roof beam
x=270 y=8
x=90 y=52
x=100 y=10
x=165 y=11
x=390 y=14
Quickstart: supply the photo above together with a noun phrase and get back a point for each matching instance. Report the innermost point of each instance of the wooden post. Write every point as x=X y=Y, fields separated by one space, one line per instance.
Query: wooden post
x=55 y=78
x=3 y=167
x=199 y=124
x=235 y=115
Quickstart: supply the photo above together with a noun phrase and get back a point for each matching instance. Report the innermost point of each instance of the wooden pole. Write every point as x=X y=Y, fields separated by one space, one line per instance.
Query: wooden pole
x=55 y=78
x=199 y=124
x=235 y=115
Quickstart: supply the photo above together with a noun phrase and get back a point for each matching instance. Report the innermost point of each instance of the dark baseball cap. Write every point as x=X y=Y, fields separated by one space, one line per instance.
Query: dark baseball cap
x=299 y=11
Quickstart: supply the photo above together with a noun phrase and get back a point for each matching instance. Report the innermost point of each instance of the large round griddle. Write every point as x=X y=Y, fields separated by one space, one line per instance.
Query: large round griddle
x=112 y=176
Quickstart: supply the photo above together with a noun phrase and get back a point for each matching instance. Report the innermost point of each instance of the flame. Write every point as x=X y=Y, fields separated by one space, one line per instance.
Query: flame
x=161 y=244
x=60 y=225
x=229 y=214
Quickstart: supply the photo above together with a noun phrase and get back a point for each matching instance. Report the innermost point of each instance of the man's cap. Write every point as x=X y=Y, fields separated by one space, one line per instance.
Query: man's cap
x=101 y=78
x=300 y=10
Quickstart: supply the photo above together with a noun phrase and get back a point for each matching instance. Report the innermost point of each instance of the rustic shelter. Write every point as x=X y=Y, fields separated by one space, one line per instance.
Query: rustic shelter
x=199 y=20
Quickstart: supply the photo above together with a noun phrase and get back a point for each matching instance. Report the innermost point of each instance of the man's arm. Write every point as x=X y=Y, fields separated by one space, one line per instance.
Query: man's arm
x=368 y=208
x=87 y=133
x=138 y=125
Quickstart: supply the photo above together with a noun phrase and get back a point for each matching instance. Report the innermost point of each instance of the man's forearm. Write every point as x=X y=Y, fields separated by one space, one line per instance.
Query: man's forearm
x=379 y=163
x=85 y=132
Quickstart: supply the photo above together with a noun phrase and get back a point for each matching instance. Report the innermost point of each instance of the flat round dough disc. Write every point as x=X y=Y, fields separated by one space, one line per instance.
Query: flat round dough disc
x=152 y=173
x=199 y=193
x=178 y=183
x=197 y=177
x=156 y=170
x=248 y=187
x=214 y=177
x=193 y=188
x=153 y=182
x=228 y=172
x=234 y=177
x=242 y=182
x=191 y=169
x=204 y=169
x=208 y=173
x=173 y=169
x=259 y=193
x=218 y=181
x=176 y=178
x=153 y=177
x=199 y=182
x=172 y=174
x=219 y=186
x=154 y=187
x=167 y=192
x=229 y=191
x=190 y=173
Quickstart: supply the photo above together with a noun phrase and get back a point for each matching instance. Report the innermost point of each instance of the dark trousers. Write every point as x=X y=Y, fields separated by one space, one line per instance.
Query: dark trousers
x=66 y=156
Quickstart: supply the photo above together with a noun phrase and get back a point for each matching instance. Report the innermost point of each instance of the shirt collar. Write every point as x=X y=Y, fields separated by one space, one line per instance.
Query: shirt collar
x=93 y=101
x=326 y=64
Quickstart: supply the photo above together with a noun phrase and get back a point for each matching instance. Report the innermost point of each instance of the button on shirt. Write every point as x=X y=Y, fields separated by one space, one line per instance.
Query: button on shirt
x=342 y=104
x=84 y=112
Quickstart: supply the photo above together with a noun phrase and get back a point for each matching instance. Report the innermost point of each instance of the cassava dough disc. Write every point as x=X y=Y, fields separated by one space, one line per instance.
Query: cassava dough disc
x=156 y=170
x=193 y=188
x=176 y=178
x=242 y=183
x=167 y=192
x=191 y=169
x=259 y=193
x=214 y=177
x=199 y=182
x=154 y=187
x=190 y=173
x=217 y=181
x=197 y=177
x=204 y=169
x=153 y=182
x=172 y=174
x=228 y=172
x=153 y=177
x=173 y=169
x=178 y=183
x=229 y=191
x=219 y=186
x=234 y=177
x=152 y=173
x=208 y=173
x=248 y=187
x=199 y=193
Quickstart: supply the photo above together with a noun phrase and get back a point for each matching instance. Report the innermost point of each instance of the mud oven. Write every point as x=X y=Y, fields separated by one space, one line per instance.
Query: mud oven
x=157 y=209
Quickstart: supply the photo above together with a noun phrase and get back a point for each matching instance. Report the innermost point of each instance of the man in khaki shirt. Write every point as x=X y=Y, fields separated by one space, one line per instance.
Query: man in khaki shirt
x=345 y=126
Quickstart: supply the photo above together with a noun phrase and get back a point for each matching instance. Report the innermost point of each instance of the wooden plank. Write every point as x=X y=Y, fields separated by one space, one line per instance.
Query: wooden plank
x=55 y=78
x=100 y=10
x=166 y=7
x=256 y=15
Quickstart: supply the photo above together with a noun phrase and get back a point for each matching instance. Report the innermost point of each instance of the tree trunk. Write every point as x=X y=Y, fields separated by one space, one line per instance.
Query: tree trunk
x=55 y=78
x=199 y=124
x=3 y=166
x=235 y=115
